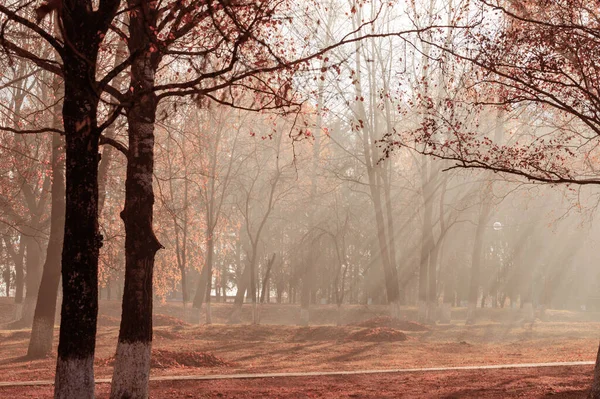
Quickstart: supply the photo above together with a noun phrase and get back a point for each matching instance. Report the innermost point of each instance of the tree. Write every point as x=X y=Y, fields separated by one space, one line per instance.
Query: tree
x=83 y=30
x=525 y=54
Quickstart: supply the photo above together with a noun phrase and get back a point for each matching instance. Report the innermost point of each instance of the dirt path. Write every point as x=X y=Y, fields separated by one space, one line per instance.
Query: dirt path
x=522 y=382
x=318 y=373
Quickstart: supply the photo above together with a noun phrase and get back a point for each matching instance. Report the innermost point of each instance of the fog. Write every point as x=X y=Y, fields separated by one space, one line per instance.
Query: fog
x=200 y=188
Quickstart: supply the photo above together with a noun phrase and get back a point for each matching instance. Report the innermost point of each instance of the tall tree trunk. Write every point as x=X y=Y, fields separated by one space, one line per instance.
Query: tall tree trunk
x=40 y=343
x=82 y=239
x=432 y=299
x=32 y=280
x=131 y=374
x=83 y=29
x=426 y=246
x=475 y=268
x=306 y=290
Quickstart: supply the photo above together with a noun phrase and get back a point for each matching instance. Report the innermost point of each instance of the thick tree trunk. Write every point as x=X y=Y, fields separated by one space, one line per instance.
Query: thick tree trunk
x=131 y=374
x=83 y=29
x=82 y=240
x=40 y=343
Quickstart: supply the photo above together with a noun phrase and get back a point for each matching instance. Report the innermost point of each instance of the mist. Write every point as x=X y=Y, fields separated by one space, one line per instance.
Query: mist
x=371 y=199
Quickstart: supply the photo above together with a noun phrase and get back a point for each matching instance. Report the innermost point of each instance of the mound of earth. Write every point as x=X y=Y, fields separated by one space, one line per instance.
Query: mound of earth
x=379 y=334
x=322 y=333
x=161 y=320
x=389 y=322
x=163 y=359
x=167 y=359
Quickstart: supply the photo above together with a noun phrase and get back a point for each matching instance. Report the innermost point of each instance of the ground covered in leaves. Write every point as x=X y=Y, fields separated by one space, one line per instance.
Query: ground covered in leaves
x=367 y=340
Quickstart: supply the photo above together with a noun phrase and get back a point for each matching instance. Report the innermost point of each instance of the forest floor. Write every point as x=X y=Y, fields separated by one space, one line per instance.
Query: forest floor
x=367 y=341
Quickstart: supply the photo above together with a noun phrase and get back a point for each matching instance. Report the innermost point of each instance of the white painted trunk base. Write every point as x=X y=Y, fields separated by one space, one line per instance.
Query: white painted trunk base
x=74 y=378
x=131 y=374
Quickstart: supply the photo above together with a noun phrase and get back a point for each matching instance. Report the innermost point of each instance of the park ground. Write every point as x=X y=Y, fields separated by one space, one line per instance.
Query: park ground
x=367 y=340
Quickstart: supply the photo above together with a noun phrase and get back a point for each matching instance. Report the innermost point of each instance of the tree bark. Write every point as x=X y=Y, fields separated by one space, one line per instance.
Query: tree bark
x=131 y=374
x=82 y=240
x=83 y=30
x=40 y=343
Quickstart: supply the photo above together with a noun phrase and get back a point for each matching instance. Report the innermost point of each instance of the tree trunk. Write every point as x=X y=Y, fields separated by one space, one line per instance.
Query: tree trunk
x=475 y=271
x=40 y=343
x=83 y=29
x=17 y=258
x=32 y=280
x=131 y=374
x=82 y=240
x=253 y=290
x=595 y=391
x=305 y=295
x=242 y=286
x=432 y=299
x=446 y=314
x=184 y=293
x=205 y=280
